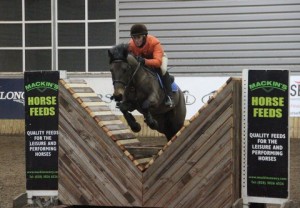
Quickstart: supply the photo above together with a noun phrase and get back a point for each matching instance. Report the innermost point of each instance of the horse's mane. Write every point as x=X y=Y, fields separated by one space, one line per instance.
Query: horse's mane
x=118 y=52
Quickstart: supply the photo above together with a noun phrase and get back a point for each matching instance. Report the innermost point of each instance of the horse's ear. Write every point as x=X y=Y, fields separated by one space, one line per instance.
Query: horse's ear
x=110 y=55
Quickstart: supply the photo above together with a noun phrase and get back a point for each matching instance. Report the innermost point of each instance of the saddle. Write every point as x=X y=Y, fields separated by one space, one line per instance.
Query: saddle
x=154 y=72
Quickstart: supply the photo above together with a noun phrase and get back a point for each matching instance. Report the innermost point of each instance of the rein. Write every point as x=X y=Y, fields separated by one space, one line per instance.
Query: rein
x=131 y=78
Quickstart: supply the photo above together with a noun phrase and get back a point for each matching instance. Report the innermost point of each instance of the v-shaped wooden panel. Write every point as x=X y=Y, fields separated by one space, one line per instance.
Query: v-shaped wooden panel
x=199 y=167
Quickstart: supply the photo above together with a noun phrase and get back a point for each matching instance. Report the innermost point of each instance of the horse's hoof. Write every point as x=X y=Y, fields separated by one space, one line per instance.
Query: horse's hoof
x=136 y=127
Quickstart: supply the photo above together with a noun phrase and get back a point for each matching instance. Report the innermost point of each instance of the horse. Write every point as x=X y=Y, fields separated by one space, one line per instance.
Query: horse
x=136 y=87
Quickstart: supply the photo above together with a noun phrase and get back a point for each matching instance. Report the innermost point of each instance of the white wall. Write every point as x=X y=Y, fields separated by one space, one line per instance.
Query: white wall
x=197 y=88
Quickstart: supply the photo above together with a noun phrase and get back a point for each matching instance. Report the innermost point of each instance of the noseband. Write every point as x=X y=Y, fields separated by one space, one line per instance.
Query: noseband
x=131 y=78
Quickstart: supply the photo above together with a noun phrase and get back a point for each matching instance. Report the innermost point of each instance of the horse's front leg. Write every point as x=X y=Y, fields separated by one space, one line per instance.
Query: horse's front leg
x=152 y=123
x=135 y=126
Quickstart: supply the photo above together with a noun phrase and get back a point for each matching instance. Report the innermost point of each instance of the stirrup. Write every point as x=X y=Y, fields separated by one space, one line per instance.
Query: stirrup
x=169 y=102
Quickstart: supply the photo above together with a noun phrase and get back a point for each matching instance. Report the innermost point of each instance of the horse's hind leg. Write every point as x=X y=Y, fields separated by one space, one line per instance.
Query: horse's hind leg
x=135 y=126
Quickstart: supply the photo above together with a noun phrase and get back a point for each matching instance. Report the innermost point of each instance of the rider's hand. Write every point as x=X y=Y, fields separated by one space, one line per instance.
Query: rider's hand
x=140 y=60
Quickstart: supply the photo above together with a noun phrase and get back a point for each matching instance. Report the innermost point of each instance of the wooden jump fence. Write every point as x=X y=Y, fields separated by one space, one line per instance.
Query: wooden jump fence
x=100 y=160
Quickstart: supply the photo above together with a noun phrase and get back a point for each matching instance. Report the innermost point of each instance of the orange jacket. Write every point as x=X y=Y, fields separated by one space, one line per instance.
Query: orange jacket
x=152 y=51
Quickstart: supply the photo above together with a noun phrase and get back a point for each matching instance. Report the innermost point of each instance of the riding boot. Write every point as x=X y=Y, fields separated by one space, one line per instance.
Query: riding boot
x=169 y=94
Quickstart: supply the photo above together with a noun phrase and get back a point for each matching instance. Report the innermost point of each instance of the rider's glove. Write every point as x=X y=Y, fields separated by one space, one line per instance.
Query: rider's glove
x=140 y=60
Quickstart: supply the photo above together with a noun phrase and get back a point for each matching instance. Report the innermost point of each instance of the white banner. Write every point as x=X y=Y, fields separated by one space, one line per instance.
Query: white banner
x=294 y=96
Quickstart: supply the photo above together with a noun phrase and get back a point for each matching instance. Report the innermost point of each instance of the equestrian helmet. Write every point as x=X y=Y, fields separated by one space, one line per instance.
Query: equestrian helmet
x=138 y=29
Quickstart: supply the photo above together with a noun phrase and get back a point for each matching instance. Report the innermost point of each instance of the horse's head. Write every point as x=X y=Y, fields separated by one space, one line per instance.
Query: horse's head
x=121 y=68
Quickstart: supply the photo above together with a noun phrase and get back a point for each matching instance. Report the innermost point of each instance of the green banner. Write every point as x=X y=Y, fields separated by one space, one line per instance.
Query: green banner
x=41 y=129
x=268 y=133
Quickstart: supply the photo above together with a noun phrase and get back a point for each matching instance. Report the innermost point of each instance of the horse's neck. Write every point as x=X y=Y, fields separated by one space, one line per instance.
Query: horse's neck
x=140 y=76
x=146 y=80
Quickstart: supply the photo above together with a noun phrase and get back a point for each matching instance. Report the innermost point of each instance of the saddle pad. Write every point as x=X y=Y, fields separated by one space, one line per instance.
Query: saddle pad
x=174 y=87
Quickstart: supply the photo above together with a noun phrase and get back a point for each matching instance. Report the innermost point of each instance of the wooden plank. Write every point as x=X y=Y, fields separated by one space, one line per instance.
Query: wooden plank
x=167 y=159
x=110 y=167
x=294 y=127
x=187 y=138
x=96 y=106
x=141 y=152
x=91 y=112
x=128 y=141
x=218 y=196
x=143 y=160
x=118 y=137
x=116 y=127
x=124 y=168
x=71 y=85
x=203 y=148
x=91 y=176
x=197 y=186
x=79 y=95
x=90 y=99
x=237 y=139
x=119 y=131
x=113 y=122
x=111 y=117
x=189 y=172
x=82 y=90
x=101 y=113
x=91 y=128
x=77 y=182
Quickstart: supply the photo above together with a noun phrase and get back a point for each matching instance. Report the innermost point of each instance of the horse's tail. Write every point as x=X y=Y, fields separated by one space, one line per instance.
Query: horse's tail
x=181 y=107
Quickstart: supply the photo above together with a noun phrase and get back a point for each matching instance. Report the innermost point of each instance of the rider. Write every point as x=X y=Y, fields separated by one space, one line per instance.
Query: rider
x=149 y=52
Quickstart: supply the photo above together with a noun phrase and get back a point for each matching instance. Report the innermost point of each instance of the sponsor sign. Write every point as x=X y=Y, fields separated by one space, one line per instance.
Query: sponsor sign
x=41 y=130
x=295 y=96
x=266 y=134
x=12 y=98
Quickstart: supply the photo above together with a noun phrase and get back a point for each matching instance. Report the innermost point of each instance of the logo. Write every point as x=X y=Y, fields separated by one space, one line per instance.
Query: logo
x=295 y=89
x=268 y=86
x=189 y=98
x=17 y=96
x=105 y=98
x=41 y=86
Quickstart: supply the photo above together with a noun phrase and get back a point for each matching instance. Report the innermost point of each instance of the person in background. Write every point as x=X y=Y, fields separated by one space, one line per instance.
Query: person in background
x=149 y=52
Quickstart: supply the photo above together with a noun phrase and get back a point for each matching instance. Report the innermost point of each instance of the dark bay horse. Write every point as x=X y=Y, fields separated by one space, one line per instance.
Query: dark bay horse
x=138 y=88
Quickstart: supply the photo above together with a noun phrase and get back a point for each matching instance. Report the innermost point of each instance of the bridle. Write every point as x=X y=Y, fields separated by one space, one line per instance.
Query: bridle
x=131 y=78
